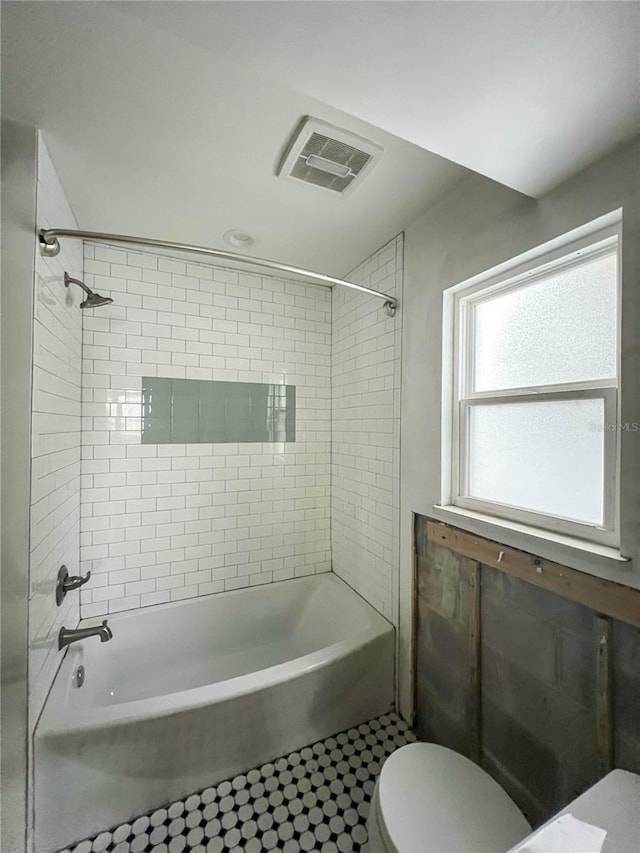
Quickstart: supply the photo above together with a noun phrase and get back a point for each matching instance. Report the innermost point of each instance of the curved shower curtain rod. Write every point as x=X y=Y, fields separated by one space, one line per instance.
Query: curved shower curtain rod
x=50 y=246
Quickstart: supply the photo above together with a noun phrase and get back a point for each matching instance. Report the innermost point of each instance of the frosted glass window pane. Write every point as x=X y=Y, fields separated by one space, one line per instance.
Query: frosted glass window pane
x=559 y=329
x=545 y=456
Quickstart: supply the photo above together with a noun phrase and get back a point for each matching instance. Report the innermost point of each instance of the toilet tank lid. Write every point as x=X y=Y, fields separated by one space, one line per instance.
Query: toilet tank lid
x=433 y=800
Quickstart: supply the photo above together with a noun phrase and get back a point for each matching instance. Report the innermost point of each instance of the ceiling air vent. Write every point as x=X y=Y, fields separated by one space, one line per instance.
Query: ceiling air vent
x=328 y=156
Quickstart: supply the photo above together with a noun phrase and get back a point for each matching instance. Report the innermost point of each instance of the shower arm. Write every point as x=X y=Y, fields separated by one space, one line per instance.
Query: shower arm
x=50 y=246
x=68 y=280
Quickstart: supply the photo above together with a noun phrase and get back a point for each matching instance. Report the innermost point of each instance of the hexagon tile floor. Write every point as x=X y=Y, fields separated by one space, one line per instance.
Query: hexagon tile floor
x=315 y=799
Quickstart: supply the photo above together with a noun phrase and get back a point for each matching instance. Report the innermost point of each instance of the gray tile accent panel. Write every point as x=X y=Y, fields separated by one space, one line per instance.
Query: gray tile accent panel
x=191 y=411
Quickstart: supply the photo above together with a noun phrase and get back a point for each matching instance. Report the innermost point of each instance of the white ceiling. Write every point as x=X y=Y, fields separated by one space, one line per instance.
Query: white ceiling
x=167 y=119
x=154 y=137
x=527 y=93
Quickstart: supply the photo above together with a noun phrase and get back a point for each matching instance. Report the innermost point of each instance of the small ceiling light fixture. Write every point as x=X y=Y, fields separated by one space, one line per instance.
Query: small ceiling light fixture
x=239 y=239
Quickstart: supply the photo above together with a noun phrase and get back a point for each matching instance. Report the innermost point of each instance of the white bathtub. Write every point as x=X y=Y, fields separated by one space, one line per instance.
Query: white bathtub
x=188 y=694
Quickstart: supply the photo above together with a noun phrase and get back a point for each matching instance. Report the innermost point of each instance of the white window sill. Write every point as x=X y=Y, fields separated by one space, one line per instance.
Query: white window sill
x=600 y=560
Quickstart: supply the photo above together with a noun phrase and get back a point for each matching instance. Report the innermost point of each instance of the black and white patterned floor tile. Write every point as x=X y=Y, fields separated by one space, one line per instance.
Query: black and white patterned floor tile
x=315 y=799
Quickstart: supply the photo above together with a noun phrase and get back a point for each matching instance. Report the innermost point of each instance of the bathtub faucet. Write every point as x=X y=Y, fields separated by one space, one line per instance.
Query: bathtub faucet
x=72 y=635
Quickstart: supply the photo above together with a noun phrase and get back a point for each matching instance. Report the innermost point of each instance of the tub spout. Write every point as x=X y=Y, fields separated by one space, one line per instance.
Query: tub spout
x=73 y=635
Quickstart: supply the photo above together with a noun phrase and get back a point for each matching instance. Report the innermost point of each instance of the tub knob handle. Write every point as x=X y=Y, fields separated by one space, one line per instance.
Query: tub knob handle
x=67 y=582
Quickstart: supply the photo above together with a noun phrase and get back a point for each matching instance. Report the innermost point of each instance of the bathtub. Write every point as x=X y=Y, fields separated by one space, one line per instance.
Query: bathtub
x=188 y=694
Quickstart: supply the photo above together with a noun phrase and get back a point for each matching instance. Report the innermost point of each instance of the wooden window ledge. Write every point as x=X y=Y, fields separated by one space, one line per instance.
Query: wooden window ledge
x=587 y=557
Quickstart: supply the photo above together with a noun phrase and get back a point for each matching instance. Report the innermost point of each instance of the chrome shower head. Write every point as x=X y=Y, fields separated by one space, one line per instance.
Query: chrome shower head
x=93 y=300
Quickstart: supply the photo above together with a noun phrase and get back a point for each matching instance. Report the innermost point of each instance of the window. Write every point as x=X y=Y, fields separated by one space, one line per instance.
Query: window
x=534 y=380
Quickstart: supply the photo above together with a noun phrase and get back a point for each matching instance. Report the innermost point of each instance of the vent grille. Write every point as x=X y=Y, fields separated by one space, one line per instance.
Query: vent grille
x=335 y=151
x=322 y=155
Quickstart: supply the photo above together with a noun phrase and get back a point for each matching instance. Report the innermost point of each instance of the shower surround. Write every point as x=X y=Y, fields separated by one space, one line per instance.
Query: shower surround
x=164 y=522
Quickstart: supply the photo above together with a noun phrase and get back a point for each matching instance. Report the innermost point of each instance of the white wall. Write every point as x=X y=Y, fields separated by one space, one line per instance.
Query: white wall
x=478 y=226
x=365 y=451
x=167 y=522
x=19 y=166
x=55 y=449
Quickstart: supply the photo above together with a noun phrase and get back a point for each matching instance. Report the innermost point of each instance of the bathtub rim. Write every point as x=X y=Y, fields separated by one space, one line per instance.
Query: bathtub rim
x=59 y=716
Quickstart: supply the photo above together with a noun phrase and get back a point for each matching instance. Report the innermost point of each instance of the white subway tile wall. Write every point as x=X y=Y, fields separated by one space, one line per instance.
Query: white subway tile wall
x=171 y=521
x=365 y=462
x=56 y=424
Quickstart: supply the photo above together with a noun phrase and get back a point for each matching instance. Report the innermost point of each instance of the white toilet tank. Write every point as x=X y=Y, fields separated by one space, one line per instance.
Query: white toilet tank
x=429 y=799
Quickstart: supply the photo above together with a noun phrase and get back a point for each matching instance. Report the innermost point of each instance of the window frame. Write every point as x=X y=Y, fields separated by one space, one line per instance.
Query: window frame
x=458 y=374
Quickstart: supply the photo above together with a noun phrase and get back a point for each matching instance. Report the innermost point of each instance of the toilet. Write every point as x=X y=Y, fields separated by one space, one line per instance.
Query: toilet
x=429 y=799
